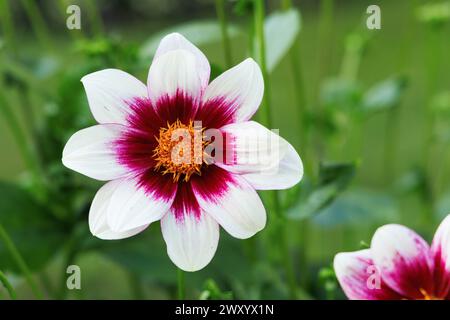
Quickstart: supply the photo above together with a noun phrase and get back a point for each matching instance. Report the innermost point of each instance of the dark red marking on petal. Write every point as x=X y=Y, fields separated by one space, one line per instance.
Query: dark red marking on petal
x=357 y=283
x=441 y=276
x=185 y=202
x=413 y=276
x=134 y=148
x=179 y=106
x=213 y=184
x=157 y=185
x=217 y=112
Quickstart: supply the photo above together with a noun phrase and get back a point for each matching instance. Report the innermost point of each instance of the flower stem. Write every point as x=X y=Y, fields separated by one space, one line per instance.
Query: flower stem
x=17 y=257
x=300 y=92
x=94 y=17
x=8 y=286
x=37 y=22
x=266 y=118
x=323 y=62
x=24 y=147
x=260 y=54
x=7 y=23
x=301 y=105
x=220 y=9
x=181 y=289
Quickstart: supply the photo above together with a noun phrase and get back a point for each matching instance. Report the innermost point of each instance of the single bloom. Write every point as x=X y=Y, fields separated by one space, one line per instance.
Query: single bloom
x=398 y=265
x=158 y=146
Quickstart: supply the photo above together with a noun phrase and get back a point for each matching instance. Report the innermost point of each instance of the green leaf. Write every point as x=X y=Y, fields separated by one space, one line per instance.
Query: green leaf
x=434 y=14
x=442 y=206
x=212 y=291
x=35 y=234
x=143 y=255
x=281 y=30
x=384 y=95
x=358 y=207
x=341 y=94
x=197 y=32
x=333 y=179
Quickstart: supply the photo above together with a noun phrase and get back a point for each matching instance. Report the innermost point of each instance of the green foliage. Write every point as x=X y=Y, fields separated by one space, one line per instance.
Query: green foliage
x=357 y=207
x=34 y=232
x=281 y=30
x=212 y=291
x=384 y=95
x=333 y=179
x=327 y=278
x=434 y=14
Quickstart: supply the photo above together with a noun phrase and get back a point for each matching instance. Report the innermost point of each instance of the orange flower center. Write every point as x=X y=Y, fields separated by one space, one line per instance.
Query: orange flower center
x=180 y=150
x=427 y=296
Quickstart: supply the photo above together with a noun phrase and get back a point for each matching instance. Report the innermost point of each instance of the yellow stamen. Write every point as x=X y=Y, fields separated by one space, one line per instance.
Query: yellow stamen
x=180 y=150
x=427 y=296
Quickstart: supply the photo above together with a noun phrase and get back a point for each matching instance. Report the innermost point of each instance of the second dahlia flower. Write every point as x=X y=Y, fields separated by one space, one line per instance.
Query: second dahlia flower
x=158 y=145
x=398 y=265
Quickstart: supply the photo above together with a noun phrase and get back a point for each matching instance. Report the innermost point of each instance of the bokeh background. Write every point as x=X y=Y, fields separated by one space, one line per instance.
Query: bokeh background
x=367 y=110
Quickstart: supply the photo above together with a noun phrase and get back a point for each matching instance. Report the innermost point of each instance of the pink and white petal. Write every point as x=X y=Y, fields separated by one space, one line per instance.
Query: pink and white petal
x=91 y=152
x=191 y=235
x=236 y=206
x=133 y=205
x=441 y=253
x=359 y=277
x=404 y=260
x=241 y=87
x=98 y=212
x=172 y=73
x=285 y=175
x=265 y=159
x=176 y=41
x=109 y=92
x=251 y=147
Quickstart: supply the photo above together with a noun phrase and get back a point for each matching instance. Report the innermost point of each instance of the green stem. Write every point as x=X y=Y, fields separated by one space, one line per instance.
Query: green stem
x=260 y=54
x=37 y=22
x=94 y=17
x=17 y=257
x=266 y=119
x=21 y=140
x=323 y=54
x=8 y=286
x=220 y=9
x=70 y=254
x=136 y=287
x=300 y=92
x=7 y=23
x=181 y=290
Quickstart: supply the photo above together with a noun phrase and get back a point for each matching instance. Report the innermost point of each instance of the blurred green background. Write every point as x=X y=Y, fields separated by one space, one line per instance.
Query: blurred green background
x=367 y=110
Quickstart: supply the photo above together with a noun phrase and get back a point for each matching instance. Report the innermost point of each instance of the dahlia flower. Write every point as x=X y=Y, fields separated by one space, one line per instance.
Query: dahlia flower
x=181 y=151
x=398 y=265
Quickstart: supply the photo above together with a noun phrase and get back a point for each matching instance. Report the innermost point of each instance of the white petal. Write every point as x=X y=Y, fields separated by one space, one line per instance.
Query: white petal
x=241 y=86
x=91 y=152
x=404 y=260
x=239 y=210
x=441 y=242
x=191 y=241
x=176 y=41
x=132 y=206
x=265 y=159
x=360 y=278
x=441 y=253
x=108 y=92
x=97 y=215
x=285 y=175
x=173 y=72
